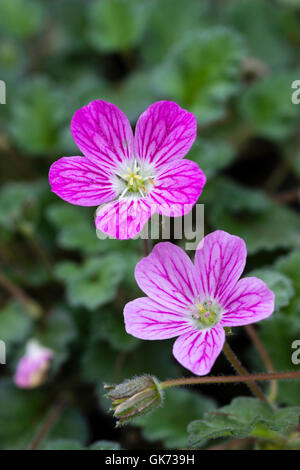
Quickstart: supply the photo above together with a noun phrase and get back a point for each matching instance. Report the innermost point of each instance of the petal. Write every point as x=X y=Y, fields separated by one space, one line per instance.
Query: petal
x=124 y=218
x=80 y=182
x=167 y=275
x=198 y=350
x=178 y=187
x=164 y=132
x=103 y=133
x=250 y=301
x=146 y=319
x=220 y=260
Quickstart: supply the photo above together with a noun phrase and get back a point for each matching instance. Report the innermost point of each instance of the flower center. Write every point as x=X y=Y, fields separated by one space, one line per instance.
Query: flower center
x=206 y=314
x=135 y=180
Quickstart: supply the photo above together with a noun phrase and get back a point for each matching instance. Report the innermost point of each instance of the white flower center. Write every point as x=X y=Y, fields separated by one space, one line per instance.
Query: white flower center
x=134 y=179
x=206 y=314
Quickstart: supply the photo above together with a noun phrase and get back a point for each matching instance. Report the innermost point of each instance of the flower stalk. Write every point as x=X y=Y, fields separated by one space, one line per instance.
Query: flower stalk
x=265 y=358
x=234 y=360
x=230 y=379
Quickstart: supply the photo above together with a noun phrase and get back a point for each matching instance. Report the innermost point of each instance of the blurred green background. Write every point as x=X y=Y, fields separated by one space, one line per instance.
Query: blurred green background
x=231 y=63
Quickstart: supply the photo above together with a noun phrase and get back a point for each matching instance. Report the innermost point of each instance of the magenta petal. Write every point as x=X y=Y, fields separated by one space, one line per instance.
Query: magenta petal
x=167 y=275
x=250 y=301
x=178 y=187
x=220 y=260
x=164 y=132
x=103 y=133
x=123 y=218
x=198 y=350
x=146 y=319
x=79 y=181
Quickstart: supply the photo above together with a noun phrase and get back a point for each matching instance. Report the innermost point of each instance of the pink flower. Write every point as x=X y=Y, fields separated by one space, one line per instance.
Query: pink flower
x=32 y=368
x=196 y=301
x=135 y=176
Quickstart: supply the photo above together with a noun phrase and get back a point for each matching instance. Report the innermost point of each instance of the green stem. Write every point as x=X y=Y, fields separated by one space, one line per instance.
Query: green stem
x=230 y=379
x=233 y=359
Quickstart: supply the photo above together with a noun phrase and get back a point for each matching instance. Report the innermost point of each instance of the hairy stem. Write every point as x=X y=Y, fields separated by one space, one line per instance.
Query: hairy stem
x=231 y=379
x=233 y=359
x=265 y=358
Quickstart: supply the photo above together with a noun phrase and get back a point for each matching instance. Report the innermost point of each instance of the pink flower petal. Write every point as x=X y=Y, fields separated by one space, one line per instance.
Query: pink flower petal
x=80 y=182
x=198 y=350
x=164 y=132
x=123 y=218
x=220 y=260
x=103 y=133
x=178 y=187
x=167 y=275
x=146 y=319
x=250 y=301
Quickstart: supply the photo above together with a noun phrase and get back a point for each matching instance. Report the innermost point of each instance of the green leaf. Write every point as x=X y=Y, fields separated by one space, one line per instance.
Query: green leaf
x=170 y=12
x=278 y=335
x=263 y=37
x=134 y=94
x=109 y=325
x=202 y=72
x=116 y=24
x=75 y=227
x=148 y=358
x=36 y=117
x=63 y=444
x=211 y=156
x=19 y=204
x=94 y=282
x=268 y=108
x=280 y=284
x=105 y=445
x=240 y=419
x=170 y=426
x=25 y=415
x=252 y=216
x=15 y=324
x=20 y=18
x=70 y=444
x=57 y=334
x=289 y=265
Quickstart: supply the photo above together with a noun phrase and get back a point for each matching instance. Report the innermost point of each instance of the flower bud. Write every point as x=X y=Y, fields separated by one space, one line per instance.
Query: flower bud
x=134 y=397
x=33 y=366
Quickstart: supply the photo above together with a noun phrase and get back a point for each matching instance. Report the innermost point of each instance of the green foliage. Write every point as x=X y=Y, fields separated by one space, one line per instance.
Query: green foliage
x=202 y=72
x=242 y=418
x=262 y=37
x=280 y=284
x=267 y=107
x=69 y=444
x=165 y=425
x=230 y=63
x=19 y=207
x=15 y=324
x=20 y=18
x=36 y=117
x=24 y=413
x=212 y=157
x=93 y=283
x=116 y=24
x=251 y=215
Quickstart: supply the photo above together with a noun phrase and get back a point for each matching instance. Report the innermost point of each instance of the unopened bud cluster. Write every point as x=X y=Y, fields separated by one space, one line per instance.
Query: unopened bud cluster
x=134 y=397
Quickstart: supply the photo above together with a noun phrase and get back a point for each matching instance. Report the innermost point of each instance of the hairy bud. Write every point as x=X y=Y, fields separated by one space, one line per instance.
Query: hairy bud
x=134 y=397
